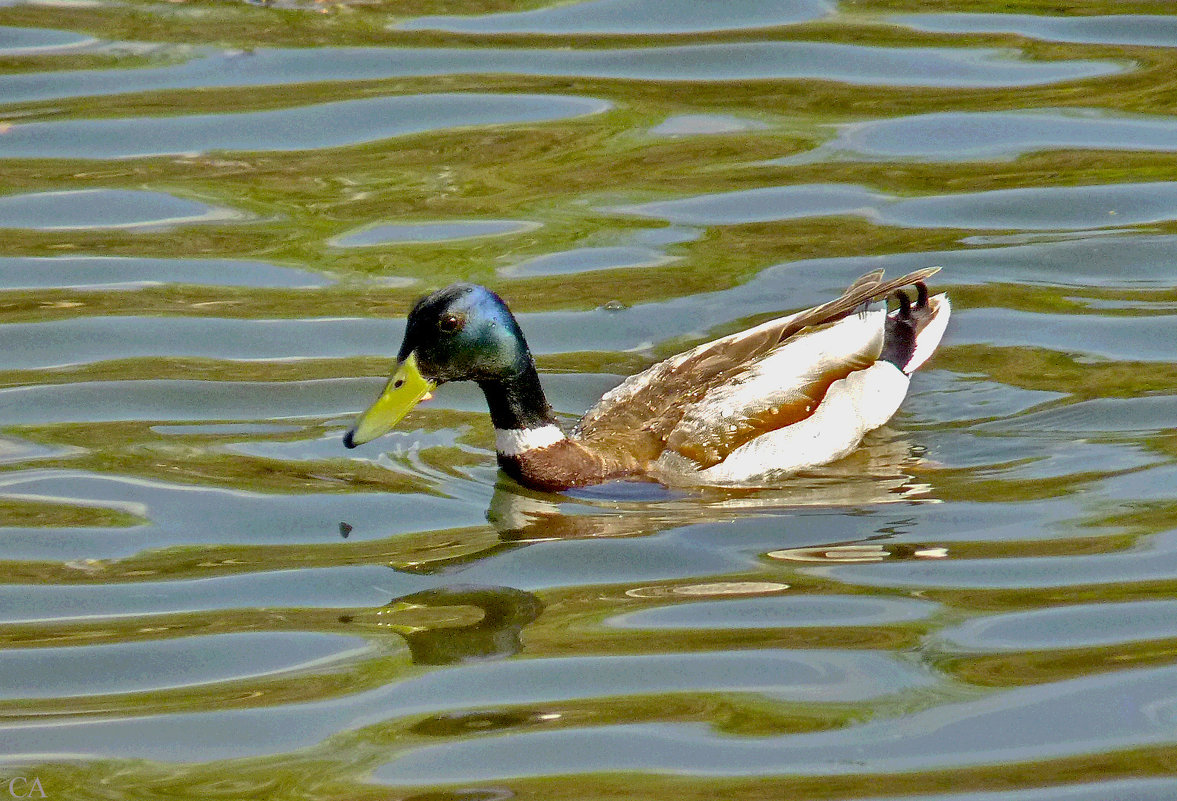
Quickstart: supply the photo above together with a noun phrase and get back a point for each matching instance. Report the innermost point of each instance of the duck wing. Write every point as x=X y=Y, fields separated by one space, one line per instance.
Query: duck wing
x=638 y=418
x=783 y=387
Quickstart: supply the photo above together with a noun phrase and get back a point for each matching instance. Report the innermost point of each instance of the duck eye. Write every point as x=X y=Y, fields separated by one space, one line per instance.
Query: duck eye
x=451 y=323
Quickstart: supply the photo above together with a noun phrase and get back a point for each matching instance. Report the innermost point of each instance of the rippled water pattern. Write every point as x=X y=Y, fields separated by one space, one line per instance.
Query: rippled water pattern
x=213 y=217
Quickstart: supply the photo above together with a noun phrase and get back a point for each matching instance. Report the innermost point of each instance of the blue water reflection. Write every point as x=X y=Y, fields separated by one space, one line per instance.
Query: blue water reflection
x=922 y=66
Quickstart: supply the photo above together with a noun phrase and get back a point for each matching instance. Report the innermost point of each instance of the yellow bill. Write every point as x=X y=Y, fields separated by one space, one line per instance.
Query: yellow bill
x=404 y=390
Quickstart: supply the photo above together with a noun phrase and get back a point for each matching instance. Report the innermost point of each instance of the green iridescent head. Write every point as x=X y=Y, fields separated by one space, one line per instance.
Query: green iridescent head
x=464 y=332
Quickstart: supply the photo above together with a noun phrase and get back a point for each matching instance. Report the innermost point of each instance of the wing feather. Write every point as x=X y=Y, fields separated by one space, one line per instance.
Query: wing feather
x=637 y=416
x=779 y=390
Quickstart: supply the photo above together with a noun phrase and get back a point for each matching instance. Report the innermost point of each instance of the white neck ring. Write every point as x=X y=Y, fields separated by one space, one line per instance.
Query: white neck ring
x=514 y=441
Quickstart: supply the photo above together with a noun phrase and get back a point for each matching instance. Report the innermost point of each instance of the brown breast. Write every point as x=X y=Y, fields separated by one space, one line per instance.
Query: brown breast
x=566 y=464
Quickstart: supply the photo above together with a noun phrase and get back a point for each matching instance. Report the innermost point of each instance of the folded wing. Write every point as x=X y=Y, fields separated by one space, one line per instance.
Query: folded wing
x=691 y=402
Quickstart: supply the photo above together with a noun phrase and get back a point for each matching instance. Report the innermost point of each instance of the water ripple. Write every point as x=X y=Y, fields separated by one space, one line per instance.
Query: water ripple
x=1073 y=717
x=632 y=16
x=1029 y=209
x=1153 y=30
x=959 y=135
x=325 y=125
x=853 y=64
x=104 y=208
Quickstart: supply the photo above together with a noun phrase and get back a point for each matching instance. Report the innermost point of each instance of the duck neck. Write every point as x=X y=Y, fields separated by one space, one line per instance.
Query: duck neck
x=522 y=418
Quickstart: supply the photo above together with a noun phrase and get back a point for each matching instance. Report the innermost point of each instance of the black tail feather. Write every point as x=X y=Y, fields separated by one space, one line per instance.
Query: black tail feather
x=900 y=329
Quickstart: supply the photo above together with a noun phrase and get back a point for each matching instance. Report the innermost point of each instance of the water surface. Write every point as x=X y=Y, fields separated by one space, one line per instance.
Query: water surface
x=215 y=218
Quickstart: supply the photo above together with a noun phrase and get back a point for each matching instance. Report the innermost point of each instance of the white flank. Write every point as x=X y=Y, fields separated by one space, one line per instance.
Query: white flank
x=514 y=441
x=854 y=405
x=929 y=339
x=780 y=377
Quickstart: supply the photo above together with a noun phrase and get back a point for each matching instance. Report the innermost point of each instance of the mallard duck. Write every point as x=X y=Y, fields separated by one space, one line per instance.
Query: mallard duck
x=747 y=409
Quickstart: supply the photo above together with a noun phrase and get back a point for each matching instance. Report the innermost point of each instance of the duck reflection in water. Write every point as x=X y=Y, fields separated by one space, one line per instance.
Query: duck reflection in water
x=876 y=474
x=496 y=635
x=882 y=471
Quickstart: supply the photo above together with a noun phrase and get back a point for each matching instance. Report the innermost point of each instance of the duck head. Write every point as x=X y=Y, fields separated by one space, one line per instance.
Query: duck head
x=464 y=332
